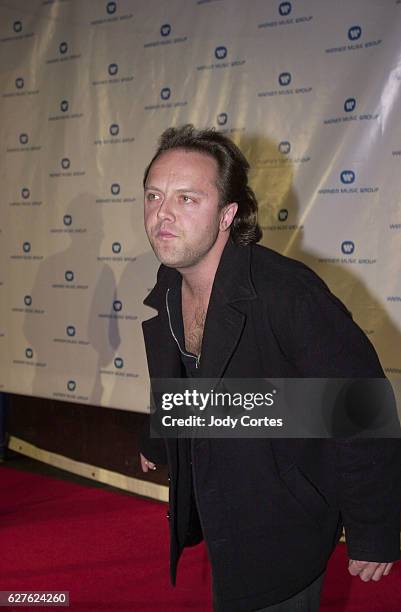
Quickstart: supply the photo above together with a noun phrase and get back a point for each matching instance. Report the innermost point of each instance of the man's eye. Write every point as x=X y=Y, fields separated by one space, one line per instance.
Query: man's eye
x=151 y=196
x=187 y=199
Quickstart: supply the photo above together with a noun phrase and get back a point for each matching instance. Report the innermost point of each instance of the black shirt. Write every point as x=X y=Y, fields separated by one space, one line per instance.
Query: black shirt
x=184 y=477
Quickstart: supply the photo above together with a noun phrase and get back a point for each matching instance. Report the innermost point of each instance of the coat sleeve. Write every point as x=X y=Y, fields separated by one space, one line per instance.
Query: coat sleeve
x=323 y=341
x=153 y=449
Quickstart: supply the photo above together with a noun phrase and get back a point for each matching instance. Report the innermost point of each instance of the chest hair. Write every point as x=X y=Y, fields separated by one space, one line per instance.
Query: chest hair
x=194 y=316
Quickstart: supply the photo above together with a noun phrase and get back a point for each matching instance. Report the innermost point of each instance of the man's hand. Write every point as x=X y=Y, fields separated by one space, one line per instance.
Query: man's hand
x=369 y=570
x=145 y=464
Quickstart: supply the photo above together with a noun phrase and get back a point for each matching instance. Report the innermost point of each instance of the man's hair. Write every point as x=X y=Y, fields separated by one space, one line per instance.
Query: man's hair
x=232 y=178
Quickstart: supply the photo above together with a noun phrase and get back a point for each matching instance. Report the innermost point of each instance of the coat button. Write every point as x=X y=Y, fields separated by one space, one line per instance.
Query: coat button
x=168 y=477
x=168 y=516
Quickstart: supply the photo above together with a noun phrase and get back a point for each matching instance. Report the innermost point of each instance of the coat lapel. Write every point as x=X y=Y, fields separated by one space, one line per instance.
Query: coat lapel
x=223 y=329
x=225 y=321
x=162 y=352
x=161 y=349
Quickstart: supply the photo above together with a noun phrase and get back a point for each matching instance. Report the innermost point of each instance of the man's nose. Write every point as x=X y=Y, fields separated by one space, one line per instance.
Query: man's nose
x=166 y=209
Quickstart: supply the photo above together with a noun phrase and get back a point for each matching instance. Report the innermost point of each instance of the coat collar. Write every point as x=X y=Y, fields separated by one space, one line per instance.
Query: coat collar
x=224 y=321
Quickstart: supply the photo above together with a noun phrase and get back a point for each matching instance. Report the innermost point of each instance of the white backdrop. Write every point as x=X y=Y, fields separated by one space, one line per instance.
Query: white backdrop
x=309 y=89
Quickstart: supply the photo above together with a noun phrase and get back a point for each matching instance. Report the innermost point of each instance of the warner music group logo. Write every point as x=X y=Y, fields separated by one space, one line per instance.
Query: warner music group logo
x=29 y=359
x=348 y=255
x=284 y=222
x=25 y=253
x=347 y=247
x=354 y=35
x=114 y=76
x=284 y=149
x=285 y=17
x=25 y=144
x=28 y=307
x=26 y=199
x=111 y=14
x=116 y=254
x=119 y=368
x=349 y=109
x=348 y=178
x=221 y=54
x=165 y=37
x=167 y=100
x=20 y=89
x=70 y=388
x=63 y=54
x=64 y=113
x=284 y=80
x=69 y=337
x=115 y=136
x=117 y=312
x=222 y=121
x=115 y=190
x=69 y=282
x=16 y=31
x=68 y=227
x=65 y=169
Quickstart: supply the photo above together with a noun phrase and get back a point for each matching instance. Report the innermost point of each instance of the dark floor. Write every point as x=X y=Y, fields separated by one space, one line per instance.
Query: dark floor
x=26 y=464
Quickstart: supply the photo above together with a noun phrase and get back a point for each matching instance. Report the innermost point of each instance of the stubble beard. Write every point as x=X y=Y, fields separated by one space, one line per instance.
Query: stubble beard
x=183 y=255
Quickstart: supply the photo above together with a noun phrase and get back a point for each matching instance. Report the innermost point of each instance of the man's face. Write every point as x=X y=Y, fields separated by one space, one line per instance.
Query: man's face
x=181 y=210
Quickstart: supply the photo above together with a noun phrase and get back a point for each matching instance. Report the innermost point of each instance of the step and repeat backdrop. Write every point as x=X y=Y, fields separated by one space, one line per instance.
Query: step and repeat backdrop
x=309 y=89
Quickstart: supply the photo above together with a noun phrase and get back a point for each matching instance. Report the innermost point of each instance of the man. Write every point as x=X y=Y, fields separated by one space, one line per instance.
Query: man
x=270 y=511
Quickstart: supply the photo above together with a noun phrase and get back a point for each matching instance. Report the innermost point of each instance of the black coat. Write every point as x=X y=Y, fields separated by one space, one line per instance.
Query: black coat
x=272 y=509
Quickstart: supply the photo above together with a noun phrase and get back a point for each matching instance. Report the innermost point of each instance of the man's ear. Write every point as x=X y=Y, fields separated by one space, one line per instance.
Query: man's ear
x=227 y=215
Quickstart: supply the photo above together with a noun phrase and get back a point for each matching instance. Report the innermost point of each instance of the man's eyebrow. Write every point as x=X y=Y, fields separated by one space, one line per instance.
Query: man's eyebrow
x=182 y=190
x=190 y=190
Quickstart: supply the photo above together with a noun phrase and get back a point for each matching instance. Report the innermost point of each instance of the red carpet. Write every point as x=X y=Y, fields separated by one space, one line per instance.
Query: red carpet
x=109 y=550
